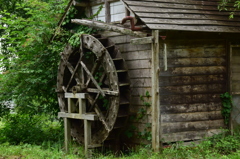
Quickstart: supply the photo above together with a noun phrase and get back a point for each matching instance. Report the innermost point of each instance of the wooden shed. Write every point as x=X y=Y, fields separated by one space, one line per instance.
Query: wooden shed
x=182 y=56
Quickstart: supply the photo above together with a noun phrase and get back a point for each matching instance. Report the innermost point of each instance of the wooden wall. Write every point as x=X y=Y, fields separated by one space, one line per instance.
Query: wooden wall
x=138 y=62
x=235 y=85
x=190 y=89
x=117 y=10
x=194 y=15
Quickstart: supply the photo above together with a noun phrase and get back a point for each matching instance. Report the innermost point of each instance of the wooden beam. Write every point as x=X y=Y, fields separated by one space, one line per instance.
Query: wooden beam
x=93 y=79
x=62 y=19
x=87 y=136
x=107 y=11
x=76 y=95
x=82 y=106
x=236 y=93
x=155 y=70
x=109 y=27
x=182 y=2
x=80 y=4
x=96 y=2
x=71 y=106
x=155 y=20
x=146 y=40
x=93 y=90
x=195 y=28
x=86 y=116
x=165 y=56
x=67 y=133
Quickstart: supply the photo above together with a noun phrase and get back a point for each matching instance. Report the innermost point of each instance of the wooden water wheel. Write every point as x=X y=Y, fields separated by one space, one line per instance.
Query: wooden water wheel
x=97 y=69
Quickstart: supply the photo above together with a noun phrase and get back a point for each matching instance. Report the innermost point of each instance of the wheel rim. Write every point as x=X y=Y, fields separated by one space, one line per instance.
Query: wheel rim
x=95 y=74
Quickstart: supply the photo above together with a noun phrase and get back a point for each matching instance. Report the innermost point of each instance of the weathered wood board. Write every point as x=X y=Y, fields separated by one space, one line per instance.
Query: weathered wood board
x=189 y=135
x=190 y=89
x=235 y=85
x=138 y=61
x=187 y=15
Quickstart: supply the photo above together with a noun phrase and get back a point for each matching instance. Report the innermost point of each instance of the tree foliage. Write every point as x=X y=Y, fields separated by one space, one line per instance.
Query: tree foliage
x=27 y=58
x=229 y=5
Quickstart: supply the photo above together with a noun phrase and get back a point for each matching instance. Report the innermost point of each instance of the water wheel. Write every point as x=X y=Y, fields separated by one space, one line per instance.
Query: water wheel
x=97 y=69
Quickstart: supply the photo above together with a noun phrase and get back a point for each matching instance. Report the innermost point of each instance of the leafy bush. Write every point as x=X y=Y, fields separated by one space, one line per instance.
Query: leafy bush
x=28 y=151
x=225 y=143
x=28 y=58
x=32 y=129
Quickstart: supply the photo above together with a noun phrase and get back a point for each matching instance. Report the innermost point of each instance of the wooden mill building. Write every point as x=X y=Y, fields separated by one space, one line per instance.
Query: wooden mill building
x=183 y=53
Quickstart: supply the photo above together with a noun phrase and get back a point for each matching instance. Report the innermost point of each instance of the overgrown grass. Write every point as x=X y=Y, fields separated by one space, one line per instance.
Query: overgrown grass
x=34 y=152
x=31 y=129
x=41 y=137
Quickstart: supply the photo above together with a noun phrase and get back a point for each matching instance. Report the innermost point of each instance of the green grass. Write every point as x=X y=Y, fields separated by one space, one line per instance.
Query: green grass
x=177 y=151
x=33 y=152
x=41 y=137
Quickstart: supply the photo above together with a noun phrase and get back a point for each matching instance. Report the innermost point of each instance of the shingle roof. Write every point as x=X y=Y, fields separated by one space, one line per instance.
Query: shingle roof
x=189 y=15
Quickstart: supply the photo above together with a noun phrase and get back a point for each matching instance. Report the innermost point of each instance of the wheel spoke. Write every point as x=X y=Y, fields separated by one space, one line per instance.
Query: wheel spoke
x=96 y=66
x=71 y=69
x=73 y=75
x=94 y=69
x=81 y=50
x=94 y=102
x=99 y=112
x=106 y=91
x=64 y=89
x=92 y=78
x=102 y=77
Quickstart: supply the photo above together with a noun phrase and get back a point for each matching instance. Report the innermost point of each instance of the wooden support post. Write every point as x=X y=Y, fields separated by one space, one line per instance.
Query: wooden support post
x=87 y=117
x=82 y=106
x=87 y=136
x=165 y=56
x=155 y=70
x=70 y=105
x=107 y=11
x=230 y=84
x=67 y=133
x=127 y=12
x=67 y=126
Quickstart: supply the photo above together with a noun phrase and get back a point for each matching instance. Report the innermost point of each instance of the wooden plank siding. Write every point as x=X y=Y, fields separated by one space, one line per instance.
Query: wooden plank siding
x=189 y=15
x=117 y=10
x=138 y=61
x=190 y=89
x=235 y=86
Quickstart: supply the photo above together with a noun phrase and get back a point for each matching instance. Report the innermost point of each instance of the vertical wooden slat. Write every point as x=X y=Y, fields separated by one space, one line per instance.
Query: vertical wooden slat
x=82 y=106
x=67 y=133
x=230 y=69
x=127 y=12
x=156 y=125
x=107 y=11
x=67 y=126
x=87 y=135
x=70 y=105
x=165 y=56
x=230 y=85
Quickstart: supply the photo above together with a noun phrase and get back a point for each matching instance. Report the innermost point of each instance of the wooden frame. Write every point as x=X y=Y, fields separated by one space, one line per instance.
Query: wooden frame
x=107 y=11
x=155 y=70
x=230 y=76
x=107 y=8
x=81 y=115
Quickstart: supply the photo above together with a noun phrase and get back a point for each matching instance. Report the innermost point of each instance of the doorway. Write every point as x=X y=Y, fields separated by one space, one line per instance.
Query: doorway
x=235 y=84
